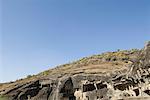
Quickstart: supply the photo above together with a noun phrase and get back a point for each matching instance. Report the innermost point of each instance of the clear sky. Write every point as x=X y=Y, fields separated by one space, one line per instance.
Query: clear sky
x=36 y=35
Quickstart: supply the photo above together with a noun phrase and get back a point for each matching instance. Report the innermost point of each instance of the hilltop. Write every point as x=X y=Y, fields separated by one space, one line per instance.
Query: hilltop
x=123 y=74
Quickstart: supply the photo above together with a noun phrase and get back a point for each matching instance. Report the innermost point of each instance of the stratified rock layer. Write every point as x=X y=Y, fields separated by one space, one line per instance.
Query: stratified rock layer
x=125 y=77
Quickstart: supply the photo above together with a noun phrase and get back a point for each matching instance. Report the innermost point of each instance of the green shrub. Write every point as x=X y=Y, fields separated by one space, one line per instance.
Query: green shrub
x=3 y=97
x=29 y=76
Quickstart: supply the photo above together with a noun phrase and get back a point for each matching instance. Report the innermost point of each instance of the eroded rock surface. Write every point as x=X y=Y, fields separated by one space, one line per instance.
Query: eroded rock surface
x=126 y=77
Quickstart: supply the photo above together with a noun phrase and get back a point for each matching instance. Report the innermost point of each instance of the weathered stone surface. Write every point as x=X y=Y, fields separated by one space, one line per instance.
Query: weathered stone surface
x=97 y=78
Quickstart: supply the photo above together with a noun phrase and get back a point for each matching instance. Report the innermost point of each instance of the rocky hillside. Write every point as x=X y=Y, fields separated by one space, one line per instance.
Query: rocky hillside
x=120 y=75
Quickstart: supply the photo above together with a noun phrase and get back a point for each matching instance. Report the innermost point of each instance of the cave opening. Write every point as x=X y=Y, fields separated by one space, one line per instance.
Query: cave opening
x=88 y=87
x=147 y=92
x=67 y=91
x=121 y=87
x=136 y=92
x=101 y=86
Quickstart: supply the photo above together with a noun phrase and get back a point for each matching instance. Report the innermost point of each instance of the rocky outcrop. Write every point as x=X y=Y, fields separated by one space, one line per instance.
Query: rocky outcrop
x=129 y=82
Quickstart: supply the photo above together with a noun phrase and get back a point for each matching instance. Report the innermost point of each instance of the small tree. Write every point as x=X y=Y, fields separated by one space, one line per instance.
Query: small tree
x=29 y=76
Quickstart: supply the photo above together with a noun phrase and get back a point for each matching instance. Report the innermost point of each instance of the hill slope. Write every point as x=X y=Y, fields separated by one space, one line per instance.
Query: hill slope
x=108 y=76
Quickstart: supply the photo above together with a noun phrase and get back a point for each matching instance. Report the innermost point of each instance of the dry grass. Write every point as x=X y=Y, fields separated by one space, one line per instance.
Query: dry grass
x=103 y=63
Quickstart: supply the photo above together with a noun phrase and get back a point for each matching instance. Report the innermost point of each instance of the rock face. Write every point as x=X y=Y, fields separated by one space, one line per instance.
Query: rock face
x=104 y=78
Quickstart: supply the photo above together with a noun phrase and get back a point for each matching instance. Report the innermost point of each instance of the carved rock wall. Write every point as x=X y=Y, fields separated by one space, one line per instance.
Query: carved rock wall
x=127 y=85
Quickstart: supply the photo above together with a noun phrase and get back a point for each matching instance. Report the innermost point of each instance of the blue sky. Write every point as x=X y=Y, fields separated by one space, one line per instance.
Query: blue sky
x=39 y=34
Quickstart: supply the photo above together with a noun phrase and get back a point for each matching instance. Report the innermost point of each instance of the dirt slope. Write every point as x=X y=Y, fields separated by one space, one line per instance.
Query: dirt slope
x=108 y=76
